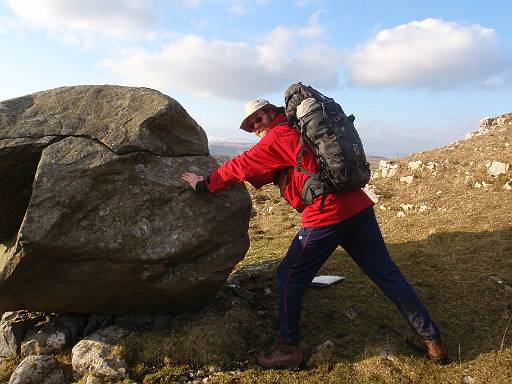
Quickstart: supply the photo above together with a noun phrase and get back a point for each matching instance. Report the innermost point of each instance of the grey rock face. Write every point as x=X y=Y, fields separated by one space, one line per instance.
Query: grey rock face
x=13 y=328
x=37 y=370
x=95 y=355
x=97 y=217
x=54 y=336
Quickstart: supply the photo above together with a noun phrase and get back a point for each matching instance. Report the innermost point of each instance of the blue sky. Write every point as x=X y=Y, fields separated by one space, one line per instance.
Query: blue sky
x=416 y=74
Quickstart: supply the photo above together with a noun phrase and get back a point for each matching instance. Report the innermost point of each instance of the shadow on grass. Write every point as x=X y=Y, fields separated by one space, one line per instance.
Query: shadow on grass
x=450 y=272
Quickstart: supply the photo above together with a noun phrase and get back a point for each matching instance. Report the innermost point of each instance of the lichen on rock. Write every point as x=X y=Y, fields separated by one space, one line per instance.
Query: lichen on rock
x=98 y=219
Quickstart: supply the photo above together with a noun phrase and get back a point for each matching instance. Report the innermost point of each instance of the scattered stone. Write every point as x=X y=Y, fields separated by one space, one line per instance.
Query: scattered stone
x=423 y=208
x=91 y=379
x=29 y=347
x=13 y=329
x=95 y=355
x=496 y=168
x=351 y=312
x=407 y=179
x=414 y=165
x=54 y=337
x=321 y=354
x=508 y=185
x=38 y=370
x=371 y=191
x=486 y=123
x=431 y=165
x=501 y=120
x=466 y=379
x=387 y=168
x=400 y=214
x=407 y=207
x=382 y=207
x=387 y=352
x=267 y=291
x=213 y=369
x=481 y=184
x=500 y=282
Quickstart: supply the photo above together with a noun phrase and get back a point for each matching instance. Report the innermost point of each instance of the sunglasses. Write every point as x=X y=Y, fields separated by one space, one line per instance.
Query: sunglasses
x=258 y=120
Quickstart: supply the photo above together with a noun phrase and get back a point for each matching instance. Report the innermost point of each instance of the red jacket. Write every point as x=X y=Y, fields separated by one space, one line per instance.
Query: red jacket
x=278 y=150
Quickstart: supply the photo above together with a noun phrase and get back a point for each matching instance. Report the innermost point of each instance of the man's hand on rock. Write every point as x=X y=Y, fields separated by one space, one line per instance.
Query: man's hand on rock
x=192 y=179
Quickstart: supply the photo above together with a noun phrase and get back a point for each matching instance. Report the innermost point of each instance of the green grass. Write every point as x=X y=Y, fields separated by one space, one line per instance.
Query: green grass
x=450 y=272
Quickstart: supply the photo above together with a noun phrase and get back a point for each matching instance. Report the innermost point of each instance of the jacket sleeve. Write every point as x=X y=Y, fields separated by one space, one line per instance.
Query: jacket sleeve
x=259 y=181
x=256 y=165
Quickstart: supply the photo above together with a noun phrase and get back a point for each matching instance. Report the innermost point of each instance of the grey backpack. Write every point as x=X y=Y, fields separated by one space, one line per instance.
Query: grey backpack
x=333 y=138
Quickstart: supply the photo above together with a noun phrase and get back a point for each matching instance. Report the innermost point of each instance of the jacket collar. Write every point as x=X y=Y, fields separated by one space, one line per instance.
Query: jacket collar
x=278 y=120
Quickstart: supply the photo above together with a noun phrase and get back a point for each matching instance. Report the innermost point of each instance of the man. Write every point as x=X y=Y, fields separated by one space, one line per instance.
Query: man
x=346 y=219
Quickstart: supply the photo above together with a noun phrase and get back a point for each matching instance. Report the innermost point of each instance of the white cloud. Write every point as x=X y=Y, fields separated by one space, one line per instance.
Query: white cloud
x=187 y=3
x=238 y=8
x=314 y=28
x=430 y=53
x=116 y=18
x=8 y=24
x=243 y=7
x=303 y=3
x=234 y=7
x=236 y=70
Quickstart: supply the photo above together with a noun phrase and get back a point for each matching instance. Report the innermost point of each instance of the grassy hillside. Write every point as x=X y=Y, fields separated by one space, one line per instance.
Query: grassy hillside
x=450 y=230
x=446 y=234
x=448 y=227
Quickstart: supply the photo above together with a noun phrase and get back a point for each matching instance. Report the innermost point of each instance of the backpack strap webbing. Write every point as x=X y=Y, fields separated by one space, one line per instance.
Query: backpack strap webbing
x=301 y=153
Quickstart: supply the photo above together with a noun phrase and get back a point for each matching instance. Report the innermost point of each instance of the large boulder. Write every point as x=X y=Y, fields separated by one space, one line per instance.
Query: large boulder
x=95 y=216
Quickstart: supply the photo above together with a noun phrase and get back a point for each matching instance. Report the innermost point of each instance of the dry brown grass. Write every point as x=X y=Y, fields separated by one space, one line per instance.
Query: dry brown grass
x=7 y=367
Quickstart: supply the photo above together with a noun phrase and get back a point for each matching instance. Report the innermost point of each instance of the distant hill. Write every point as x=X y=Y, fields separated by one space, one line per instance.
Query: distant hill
x=233 y=147
x=228 y=147
x=467 y=182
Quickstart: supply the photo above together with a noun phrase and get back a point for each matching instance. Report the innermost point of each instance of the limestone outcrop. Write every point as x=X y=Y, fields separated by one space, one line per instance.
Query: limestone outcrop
x=94 y=215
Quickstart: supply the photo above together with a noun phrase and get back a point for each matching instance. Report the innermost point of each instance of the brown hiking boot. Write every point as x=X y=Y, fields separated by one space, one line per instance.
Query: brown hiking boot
x=286 y=356
x=434 y=349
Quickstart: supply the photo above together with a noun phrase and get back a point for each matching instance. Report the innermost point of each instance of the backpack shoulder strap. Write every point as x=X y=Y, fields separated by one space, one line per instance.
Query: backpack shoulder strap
x=301 y=153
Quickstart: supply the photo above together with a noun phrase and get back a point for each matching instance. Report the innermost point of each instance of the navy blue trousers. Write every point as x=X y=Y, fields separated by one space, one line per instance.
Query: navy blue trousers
x=361 y=238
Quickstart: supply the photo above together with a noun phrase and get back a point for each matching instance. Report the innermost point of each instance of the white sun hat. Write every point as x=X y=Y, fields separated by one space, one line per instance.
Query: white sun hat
x=250 y=109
